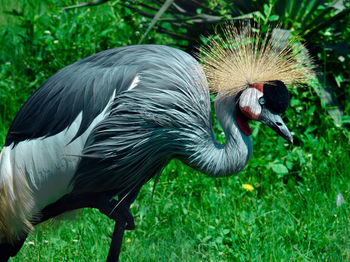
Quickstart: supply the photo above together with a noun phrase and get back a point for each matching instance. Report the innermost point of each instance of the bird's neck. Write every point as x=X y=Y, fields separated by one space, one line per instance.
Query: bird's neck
x=217 y=159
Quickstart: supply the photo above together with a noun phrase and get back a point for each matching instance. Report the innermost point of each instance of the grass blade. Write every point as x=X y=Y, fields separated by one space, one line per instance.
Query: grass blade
x=161 y=11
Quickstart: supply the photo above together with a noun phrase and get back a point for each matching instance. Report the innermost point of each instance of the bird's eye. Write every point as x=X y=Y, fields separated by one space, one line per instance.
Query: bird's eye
x=262 y=101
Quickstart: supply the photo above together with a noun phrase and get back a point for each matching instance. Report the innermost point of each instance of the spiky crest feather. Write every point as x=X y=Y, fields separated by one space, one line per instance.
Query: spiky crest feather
x=243 y=57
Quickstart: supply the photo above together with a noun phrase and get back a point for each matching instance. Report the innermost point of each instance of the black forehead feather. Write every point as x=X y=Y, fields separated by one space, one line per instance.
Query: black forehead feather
x=276 y=96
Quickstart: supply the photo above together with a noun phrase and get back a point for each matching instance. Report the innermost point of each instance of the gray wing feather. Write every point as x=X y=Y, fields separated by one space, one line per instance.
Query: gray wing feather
x=148 y=125
x=85 y=86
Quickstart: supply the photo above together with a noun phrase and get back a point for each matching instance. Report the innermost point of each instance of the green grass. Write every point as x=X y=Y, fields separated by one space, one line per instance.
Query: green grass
x=195 y=218
x=291 y=215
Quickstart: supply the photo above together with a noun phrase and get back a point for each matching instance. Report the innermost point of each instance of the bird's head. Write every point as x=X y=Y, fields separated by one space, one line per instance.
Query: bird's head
x=254 y=69
x=264 y=103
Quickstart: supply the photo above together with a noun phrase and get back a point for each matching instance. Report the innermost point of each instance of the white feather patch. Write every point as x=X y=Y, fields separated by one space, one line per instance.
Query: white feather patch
x=36 y=173
x=249 y=103
x=134 y=82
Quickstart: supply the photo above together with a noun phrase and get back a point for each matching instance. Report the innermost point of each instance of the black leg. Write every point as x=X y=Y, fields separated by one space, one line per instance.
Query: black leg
x=116 y=244
x=119 y=211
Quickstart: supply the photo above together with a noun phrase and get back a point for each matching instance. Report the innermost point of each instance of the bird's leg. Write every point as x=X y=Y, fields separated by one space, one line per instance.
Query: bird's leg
x=116 y=244
x=120 y=213
x=118 y=210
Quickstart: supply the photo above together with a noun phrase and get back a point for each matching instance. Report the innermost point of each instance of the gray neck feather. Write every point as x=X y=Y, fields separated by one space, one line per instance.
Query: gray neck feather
x=216 y=159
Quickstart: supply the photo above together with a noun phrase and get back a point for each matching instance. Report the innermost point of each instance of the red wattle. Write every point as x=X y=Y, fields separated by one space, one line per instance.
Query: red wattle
x=243 y=124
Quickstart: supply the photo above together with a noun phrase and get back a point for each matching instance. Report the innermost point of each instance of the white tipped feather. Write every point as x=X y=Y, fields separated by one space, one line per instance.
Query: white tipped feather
x=134 y=82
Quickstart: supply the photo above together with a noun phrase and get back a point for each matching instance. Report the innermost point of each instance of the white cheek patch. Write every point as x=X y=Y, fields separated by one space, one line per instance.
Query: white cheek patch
x=249 y=103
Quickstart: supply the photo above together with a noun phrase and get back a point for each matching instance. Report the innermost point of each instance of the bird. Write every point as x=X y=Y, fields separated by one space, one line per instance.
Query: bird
x=103 y=126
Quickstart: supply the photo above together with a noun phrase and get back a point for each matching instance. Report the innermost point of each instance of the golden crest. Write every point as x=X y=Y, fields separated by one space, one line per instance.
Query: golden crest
x=243 y=56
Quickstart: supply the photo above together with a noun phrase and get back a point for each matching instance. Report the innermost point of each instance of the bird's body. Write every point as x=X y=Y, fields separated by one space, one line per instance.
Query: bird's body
x=126 y=130
x=103 y=126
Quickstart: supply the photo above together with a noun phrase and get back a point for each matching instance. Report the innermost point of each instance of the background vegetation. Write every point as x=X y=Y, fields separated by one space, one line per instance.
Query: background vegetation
x=292 y=212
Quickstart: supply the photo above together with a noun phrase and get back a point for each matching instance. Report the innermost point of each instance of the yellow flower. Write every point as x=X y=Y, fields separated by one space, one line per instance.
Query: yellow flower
x=128 y=240
x=248 y=187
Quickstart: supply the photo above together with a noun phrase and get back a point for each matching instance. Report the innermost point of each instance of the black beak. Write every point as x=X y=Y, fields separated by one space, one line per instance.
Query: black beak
x=274 y=121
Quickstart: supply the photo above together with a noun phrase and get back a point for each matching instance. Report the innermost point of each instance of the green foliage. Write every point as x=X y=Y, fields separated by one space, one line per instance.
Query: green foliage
x=324 y=27
x=290 y=215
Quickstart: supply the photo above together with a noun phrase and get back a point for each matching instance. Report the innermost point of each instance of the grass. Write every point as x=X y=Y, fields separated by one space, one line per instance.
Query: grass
x=195 y=218
x=291 y=215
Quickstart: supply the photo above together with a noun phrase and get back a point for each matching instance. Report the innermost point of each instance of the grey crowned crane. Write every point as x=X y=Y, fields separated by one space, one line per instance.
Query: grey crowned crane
x=102 y=127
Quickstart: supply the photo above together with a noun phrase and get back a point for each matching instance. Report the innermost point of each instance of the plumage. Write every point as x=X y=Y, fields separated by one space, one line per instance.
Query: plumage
x=139 y=118
x=82 y=87
x=40 y=178
x=105 y=125
x=134 y=82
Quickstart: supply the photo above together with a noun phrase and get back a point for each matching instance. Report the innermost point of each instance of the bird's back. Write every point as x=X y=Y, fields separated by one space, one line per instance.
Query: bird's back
x=85 y=87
